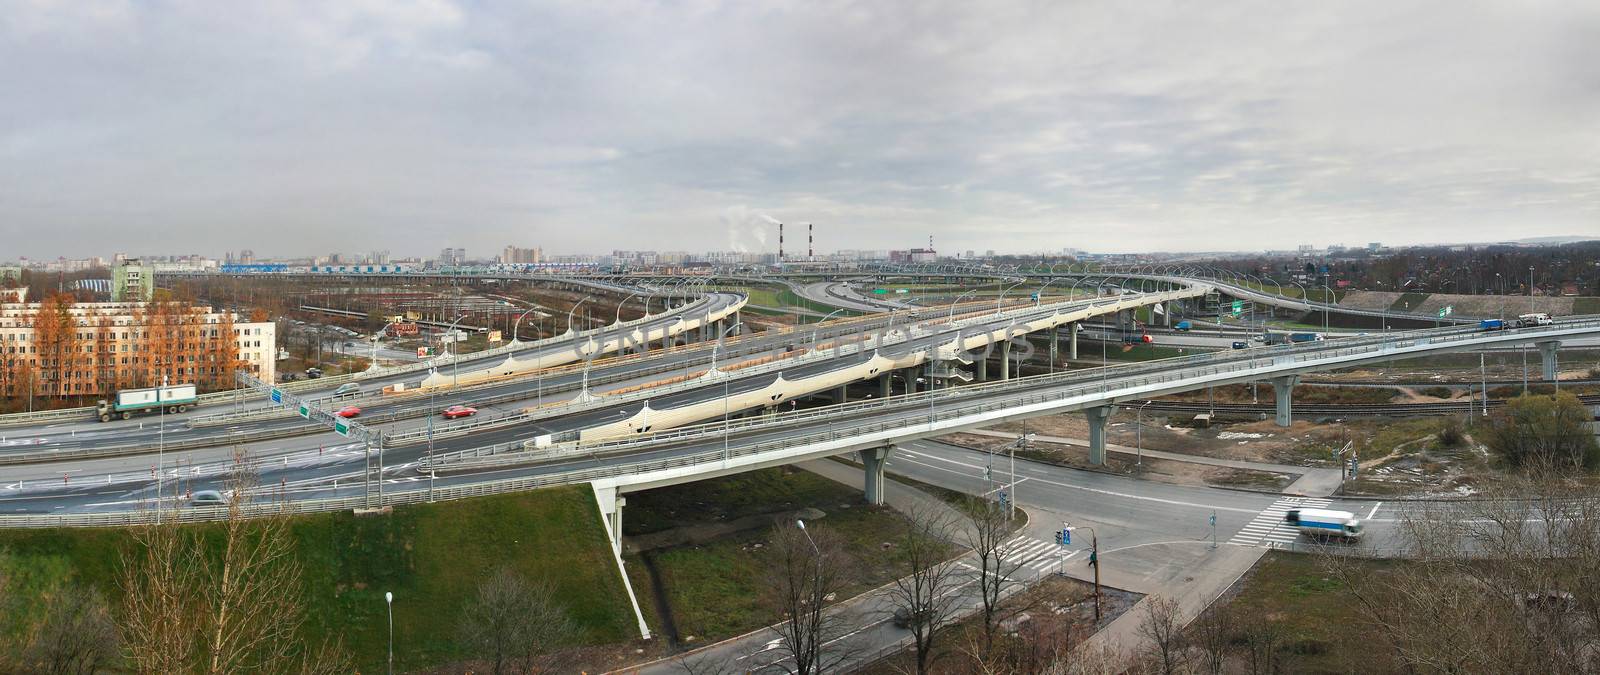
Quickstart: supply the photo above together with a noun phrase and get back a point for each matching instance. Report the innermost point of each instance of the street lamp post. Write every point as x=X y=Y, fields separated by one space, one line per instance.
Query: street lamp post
x=727 y=451
x=1138 y=434
x=1094 y=561
x=388 y=602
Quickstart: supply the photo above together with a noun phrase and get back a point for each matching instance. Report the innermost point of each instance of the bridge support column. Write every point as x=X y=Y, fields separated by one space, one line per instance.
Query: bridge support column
x=911 y=379
x=1005 y=360
x=1072 y=344
x=611 y=505
x=1166 y=314
x=1547 y=360
x=1097 y=433
x=886 y=382
x=983 y=365
x=1283 y=398
x=872 y=461
x=841 y=394
x=1055 y=340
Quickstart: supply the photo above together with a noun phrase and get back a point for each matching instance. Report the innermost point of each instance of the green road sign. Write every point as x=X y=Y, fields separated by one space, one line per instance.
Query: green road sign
x=342 y=426
x=305 y=410
x=880 y=291
x=1238 y=306
x=1446 y=310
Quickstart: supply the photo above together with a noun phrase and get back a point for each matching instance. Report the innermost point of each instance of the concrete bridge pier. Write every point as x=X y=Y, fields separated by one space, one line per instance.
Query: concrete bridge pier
x=1547 y=359
x=983 y=365
x=910 y=374
x=872 y=461
x=1097 y=433
x=1055 y=341
x=841 y=394
x=1005 y=359
x=886 y=385
x=1166 y=314
x=1072 y=341
x=611 y=505
x=1283 y=398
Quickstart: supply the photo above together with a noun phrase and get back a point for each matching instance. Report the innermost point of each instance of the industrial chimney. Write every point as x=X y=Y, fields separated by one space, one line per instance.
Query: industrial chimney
x=780 y=242
x=811 y=254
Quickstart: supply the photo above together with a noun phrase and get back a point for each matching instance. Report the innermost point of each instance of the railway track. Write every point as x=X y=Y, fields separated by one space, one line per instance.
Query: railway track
x=1331 y=409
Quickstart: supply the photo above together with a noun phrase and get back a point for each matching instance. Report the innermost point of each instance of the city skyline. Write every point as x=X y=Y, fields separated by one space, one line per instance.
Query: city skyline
x=412 y=127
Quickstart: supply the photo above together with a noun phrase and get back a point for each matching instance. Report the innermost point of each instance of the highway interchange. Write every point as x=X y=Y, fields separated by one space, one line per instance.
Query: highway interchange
x=525 y=435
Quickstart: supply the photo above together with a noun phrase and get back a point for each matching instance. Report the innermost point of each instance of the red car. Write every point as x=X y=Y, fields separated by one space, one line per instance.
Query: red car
x=455 y=411
x=348 y=411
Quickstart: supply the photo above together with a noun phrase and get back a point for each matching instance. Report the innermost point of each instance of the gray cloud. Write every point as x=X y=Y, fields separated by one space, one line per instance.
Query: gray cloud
x=303 y=127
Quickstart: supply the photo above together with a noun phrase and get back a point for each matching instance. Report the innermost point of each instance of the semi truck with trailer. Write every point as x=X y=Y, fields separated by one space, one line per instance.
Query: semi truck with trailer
x=176 y=398
x=1306 y=337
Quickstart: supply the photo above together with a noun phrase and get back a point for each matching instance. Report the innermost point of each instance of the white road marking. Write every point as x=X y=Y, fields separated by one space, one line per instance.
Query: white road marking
x=1374 y=510
x=1110 y=493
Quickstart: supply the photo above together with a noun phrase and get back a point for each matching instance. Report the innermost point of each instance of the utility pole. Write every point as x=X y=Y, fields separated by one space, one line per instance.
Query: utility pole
x=1094 y=562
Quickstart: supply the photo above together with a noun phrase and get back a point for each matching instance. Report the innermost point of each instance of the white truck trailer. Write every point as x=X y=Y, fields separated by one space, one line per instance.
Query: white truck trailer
x=176 y=398
x=1322 y=523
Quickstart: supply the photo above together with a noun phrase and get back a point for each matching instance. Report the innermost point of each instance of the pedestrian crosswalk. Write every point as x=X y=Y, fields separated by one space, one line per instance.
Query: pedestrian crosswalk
x=1037 y=555
x=1268 y=528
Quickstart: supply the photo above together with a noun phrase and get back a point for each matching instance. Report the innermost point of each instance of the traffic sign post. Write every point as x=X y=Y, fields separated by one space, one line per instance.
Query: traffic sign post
x=1213 y=529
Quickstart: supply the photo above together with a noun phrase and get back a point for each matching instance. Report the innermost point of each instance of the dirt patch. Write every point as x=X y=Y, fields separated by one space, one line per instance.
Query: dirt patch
x=1302 y=444
x=1151 y=468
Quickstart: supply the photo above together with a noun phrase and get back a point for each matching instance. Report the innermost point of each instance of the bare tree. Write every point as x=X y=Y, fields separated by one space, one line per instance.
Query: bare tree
x=1162 y=630
x=228 y=606
x=808 y=573
x=924 y=590
x=1264 y=645
x=1500 y=584
x=989 y=536
x=75 y=636
x=1212 y=632
x=512 y=622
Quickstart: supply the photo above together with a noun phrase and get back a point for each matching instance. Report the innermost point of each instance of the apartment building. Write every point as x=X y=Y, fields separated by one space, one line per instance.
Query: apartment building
x=62 y=348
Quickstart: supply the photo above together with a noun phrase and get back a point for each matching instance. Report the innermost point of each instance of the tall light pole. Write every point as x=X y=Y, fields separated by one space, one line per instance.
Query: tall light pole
x=1138 y=434
x=727 y=451
x=161 y=444
x=1530 y=289
x=620 y=305
x=570 y=312
x=455 y=359
x=375 y=345
x=815 y=331
x=1094 y=561
x=1002 y=299
x=517 y=327
x=953 y=303
x=388 y=602
x=1327 y=301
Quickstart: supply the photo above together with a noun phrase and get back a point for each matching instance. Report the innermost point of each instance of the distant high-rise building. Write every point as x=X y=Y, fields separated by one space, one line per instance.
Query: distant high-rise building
x=132 y=281
x=452 y=256
x=513 y=255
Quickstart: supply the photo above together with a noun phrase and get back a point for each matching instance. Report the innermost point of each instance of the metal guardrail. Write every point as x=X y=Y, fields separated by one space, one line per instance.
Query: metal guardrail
x=87 y=413
x=1093 y=385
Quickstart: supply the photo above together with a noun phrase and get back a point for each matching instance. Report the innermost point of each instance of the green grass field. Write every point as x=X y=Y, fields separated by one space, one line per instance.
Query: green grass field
x=430 y=556
x=1319 y=614
x=714 y=587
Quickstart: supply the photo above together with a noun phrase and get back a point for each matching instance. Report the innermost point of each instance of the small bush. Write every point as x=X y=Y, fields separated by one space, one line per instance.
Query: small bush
x=1451 y=433
x=1436 y=392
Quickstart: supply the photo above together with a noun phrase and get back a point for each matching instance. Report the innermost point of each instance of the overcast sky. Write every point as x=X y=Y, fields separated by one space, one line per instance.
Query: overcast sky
x=299 y=128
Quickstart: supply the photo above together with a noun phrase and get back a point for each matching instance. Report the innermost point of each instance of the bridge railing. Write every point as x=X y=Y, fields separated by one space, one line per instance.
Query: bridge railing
x=1086 y=384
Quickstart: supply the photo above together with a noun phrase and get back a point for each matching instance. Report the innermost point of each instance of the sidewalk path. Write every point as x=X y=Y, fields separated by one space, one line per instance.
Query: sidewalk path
x=1313 y=482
